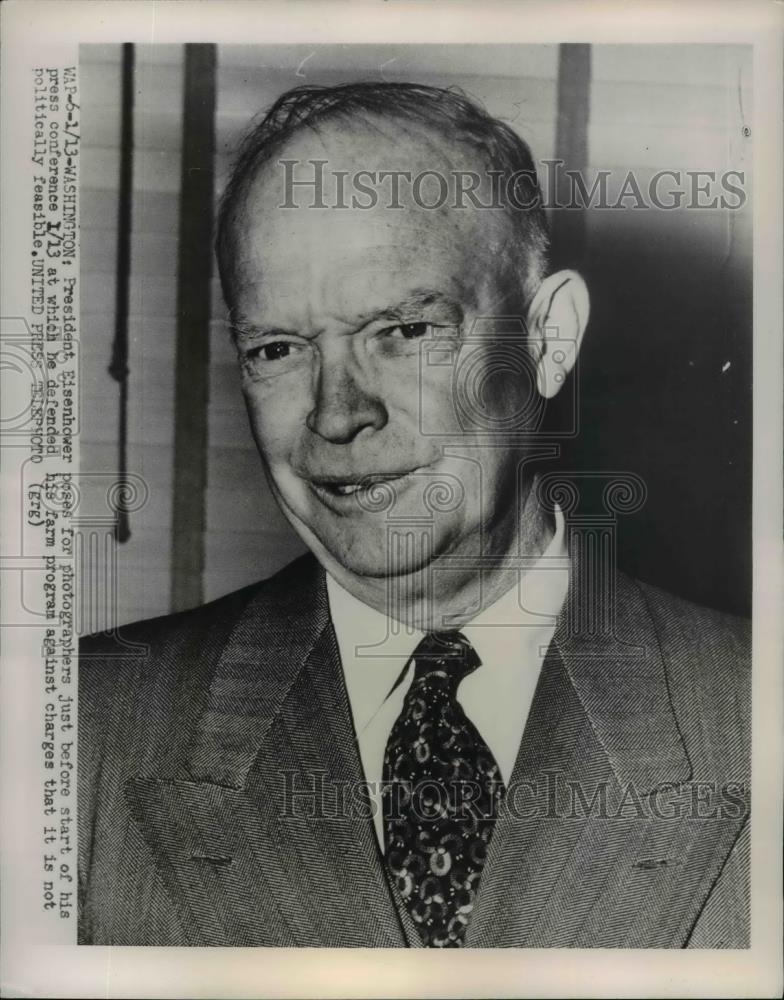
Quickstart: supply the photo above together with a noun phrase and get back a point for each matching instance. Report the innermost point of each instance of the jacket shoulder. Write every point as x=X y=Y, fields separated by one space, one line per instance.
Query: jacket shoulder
x=197 y=624
x=143 y=686
x=141 y=676
x=707 y=657
x=686 y=628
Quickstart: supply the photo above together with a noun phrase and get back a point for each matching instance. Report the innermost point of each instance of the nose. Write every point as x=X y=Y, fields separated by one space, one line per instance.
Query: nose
x=343 y=407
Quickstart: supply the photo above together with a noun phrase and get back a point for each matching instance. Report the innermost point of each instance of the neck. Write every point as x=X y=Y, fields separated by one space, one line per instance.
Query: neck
x=451 y=589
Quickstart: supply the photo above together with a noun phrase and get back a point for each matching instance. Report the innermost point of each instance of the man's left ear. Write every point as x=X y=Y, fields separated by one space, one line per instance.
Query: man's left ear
x=557 y=319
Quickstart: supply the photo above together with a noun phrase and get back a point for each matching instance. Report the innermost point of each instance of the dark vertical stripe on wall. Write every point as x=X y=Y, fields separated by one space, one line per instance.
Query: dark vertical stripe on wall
x=118 y=366
x=194 y=275
x=571 y=146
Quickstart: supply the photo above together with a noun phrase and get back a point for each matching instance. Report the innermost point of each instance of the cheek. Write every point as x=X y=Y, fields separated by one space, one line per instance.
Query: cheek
x=276 y=419
x=431 y=398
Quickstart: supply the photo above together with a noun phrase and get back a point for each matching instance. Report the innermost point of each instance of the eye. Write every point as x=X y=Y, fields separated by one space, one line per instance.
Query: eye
x=404 y=340
x=273 y=357
x=409 y=331
x=273 y=352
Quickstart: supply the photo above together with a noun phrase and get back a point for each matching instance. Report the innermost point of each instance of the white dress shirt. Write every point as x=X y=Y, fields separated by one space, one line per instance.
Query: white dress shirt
x=510 y=637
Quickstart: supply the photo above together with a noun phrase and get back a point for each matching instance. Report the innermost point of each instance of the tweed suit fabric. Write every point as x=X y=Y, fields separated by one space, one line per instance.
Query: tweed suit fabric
x=220 y=785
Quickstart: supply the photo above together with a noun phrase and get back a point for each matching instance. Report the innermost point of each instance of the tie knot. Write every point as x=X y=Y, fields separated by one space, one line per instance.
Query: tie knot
x=449 y=653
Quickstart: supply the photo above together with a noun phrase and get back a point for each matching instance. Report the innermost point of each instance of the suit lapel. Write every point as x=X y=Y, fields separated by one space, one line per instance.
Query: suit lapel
x=534 y=840
x=586 y=854
x=247 y=827
x=619 y=676
x=317 y=785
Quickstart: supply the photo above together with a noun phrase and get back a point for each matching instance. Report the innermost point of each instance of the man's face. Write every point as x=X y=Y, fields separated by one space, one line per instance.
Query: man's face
x=336 y=313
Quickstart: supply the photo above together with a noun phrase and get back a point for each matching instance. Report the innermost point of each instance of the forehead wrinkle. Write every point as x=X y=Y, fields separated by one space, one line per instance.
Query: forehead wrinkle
x=327 y=135
x=390 y=240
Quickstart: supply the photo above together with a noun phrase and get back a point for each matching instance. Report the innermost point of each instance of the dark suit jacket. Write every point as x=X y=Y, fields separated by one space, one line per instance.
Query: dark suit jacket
x=190 y=739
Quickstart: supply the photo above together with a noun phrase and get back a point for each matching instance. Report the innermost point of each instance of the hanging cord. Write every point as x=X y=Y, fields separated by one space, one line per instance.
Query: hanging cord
x=118 y=367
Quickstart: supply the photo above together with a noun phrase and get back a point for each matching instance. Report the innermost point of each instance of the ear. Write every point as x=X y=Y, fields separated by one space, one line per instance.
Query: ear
x=557 y=319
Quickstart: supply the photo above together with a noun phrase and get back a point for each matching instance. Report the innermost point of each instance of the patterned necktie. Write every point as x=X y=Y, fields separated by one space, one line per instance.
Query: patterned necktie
x=442 y=787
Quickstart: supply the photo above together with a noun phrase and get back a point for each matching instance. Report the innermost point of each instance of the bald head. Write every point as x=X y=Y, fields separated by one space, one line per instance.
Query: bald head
x=371 y=148
x=370 y=191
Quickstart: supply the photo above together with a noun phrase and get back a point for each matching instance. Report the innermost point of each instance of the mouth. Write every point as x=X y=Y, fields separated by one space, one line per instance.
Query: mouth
x=340 y=489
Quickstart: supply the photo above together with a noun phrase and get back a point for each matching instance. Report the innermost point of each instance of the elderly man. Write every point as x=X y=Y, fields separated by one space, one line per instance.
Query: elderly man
x=411 y=737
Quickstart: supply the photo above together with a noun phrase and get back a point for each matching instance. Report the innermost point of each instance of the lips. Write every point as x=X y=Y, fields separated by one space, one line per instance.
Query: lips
x=349 y=486
x=342 y=489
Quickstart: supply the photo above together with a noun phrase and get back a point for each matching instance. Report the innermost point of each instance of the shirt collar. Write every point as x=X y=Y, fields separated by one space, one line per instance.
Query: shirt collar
x=375 y=649
x=533 y=602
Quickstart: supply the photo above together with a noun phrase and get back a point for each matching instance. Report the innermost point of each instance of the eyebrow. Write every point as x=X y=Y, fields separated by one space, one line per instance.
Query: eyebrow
x=418 y=301
x=413 y=305
x=239 y=328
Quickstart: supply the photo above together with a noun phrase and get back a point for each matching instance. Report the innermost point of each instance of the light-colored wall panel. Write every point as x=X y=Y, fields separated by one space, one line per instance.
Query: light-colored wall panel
x=502 y=60
x=153 y=212
x=152 y=254
x=682 y=147
x=685 y=65
x=664 y=103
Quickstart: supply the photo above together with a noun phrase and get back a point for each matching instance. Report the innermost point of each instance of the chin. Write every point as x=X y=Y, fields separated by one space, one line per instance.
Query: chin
x=379 y=557
x=380 y=567
x=381 y=553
